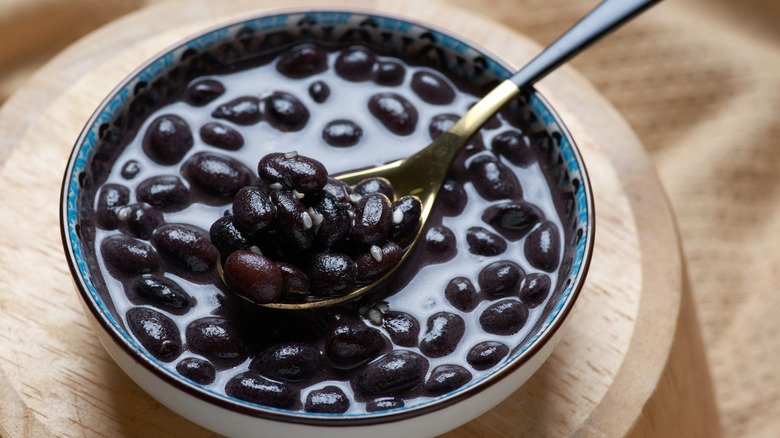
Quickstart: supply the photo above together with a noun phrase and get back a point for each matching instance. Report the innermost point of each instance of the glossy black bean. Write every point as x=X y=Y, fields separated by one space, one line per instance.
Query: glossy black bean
x=156 y=332
x=443 y=333
x=389 y=73
x=331 y=273
x=396 y=113
x=328 y=400
x=290 y=361
x=161 y=292
x=336 y=221
x=216 y=339
x=339 y=190
x=216 y=174
x=375 y=185
x=294 y=280
x=462 y=294
x=440 y=244
x=432 y=88
x=130 y=169
x=543 y=246
x=513 y=220
x=110 y=198
x=167 y=139
x=535 y=289
x=185 y=245
x=505 y=317
x=302 y=61
x=165 y=192
x=242 y=111
x=384 y=404
x=254 y=388
x=222 y=136
x=253 y=276
x=198 y=370
x=293 y=171
x=342 y=133
x=394 y=373
x=293 y=219
x=226 y=237
x=501 y=278
x=373 y=219
x=483 y=242
x=285 y=112
x=124 y=254
x=350 y=346
x=253 y=210
x=492 y=180
x=319 y=91
x=514 y=146
x=452 y=198
x=406 y=218
x=140 y=220
x=355 y=63
x=203 y=91
x=370 y=269
x=486 y=355
x=403 y=328
x=446 y=378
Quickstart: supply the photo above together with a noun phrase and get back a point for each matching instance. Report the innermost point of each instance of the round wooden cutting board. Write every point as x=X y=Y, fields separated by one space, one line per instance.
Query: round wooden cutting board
x=631 y=359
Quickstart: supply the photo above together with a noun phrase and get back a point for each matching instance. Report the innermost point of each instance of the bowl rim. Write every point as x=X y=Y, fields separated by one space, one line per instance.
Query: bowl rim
x=509 y=366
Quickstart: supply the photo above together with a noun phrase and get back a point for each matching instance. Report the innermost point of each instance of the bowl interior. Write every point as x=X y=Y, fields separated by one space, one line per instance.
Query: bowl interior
x=244 y=42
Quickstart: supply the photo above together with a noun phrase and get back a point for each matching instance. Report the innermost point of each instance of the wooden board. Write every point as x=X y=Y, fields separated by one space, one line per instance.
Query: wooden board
x=631 y=359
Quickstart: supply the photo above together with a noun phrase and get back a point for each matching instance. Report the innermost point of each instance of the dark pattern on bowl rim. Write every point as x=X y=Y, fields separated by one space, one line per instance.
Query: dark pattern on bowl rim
x=148 y=87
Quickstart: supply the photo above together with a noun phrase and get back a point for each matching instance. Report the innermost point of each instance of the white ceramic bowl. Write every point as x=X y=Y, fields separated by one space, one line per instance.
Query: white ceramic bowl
x=135 y=98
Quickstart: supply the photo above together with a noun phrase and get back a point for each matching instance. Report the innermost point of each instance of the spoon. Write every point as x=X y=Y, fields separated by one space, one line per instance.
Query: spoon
x=422 y=174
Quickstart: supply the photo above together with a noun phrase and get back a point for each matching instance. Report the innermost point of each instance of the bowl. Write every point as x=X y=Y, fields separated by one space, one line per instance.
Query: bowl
x=172 y=326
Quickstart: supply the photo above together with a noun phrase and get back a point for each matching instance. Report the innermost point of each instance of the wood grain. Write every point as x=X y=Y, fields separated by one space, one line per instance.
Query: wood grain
x=631 y=355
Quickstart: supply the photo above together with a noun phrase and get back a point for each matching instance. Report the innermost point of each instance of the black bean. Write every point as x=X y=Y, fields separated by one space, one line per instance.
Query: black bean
x=226 y=237
x=440 y=244
x=336 y=221
x=505 y=317
x=535 y=289
x=294 y=280
x=140 y=220
x=319 y=91
x=164 y=192
x=216 y=339
x=110 y=199
x=167 y=139
x=462 y=294
x=285 y=112
x=331 y=317
x=355 y=63
x=406 y=218
x=452 y=198
x=129 y=255
x=501 y=278
x=446 y=378
x=302 y=61
x=203 y=91
x=486 y=355
x=483 y=242
x=375 y=185
x=328 y=400
x=130 y=169
x=254 y=388
x=161 y=292
x=293 y=218
x=340 y=190
x=514 y=146
x=198 y=370
x=350 y=346
x=370 y=269
x=216 y=174
x=156 y=332
x=293 y=171
x=290 y=361
x=492 y=180
x=331 y=273
x=373 y=219
x=396 y=113
x=384 y=404
x=342 y=133
x=389 y=73
x=253 y=276
x=542 y=247
x=185 y=245
x=243 y=111
x=394 y=373
x=402 y=328
x=253 y=210
x=222 y=136
x=432 y=88
x=444 y=332
x=513 y=220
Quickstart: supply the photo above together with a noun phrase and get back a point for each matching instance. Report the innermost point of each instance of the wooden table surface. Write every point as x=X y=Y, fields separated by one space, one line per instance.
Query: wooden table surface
x=630 y=363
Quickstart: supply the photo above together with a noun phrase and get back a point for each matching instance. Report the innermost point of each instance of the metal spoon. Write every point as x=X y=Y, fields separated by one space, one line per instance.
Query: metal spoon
x=422 y=174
